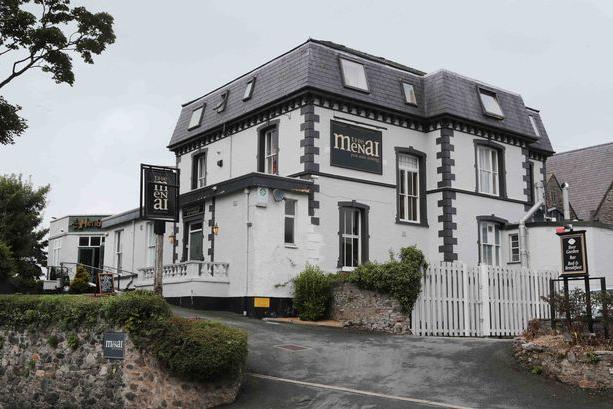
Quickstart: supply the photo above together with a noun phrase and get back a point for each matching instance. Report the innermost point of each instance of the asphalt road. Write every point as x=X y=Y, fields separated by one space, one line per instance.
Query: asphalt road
x=346 y=369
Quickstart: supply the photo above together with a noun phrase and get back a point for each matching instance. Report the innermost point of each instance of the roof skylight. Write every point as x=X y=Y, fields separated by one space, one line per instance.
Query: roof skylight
x=222 y=103
x=409 y=93
x=490 y=103
x=196 y=117
x=249 y=89
x=353 y=75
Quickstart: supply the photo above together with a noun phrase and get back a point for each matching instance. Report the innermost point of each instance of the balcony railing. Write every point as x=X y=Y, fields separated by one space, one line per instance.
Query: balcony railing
x=213 y=271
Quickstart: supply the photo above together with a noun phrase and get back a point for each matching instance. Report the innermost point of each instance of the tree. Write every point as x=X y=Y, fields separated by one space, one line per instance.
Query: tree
x=22 y=243
x=45 y=41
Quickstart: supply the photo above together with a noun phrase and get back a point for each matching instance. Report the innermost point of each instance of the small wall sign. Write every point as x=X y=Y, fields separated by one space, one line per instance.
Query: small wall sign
x=92 y=223
x=261 y=302
x=574 y=255
x=355 y=147
x=113 y=345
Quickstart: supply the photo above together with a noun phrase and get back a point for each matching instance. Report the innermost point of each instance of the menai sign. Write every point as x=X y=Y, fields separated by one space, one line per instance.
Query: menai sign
x=355 y=147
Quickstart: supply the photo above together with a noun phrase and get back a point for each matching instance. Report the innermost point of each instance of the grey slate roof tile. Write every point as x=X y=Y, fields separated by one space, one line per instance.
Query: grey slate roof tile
x=588 y=171
x=315 y=64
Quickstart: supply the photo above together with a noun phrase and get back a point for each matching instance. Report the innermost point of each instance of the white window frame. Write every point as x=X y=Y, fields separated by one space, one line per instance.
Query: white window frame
x=488 y=171
x=404 y=197
x=485 y=243
x=118 y=249
x=271 y=153
x=349 y=213
x=347 y=64
x=514 y=238
x=150 y=241
x=201 y=170
x=408 y=90
x=57 y=246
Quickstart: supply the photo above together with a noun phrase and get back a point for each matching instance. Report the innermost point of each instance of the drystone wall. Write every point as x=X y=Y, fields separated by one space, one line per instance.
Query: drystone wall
x=368 y=310
x=50 y=369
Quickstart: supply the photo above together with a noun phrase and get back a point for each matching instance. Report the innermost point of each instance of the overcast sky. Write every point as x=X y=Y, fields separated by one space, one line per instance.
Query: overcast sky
x=87 y=141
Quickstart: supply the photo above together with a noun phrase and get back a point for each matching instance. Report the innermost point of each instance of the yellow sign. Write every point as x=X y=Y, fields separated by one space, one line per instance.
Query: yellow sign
x=261 y=302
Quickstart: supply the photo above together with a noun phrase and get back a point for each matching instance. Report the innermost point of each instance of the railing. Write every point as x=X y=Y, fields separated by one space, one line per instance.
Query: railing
x=118 y=274
x=188 y=269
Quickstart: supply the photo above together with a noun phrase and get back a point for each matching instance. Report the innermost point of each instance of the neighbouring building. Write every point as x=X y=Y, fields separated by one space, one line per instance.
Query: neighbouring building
x=331 y=156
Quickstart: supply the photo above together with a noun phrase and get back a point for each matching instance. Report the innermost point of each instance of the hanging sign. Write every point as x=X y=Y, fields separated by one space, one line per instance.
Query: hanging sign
x=113 y=345
x=159 y=191
x=574 y=255
x=355 y=147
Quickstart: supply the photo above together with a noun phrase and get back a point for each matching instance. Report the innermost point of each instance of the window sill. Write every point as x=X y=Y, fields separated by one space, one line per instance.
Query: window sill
x=513 y=262
x=409 y=223
x=290 y=246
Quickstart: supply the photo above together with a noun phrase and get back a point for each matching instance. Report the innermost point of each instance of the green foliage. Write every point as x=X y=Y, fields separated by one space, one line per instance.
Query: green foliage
x=312 y=294
x=53 y=341
x=23 y=243
x=399 y=278
x=45 y=35
x=1 y=342
x=537 y=370
x=80 y=282
x=73 y=341
x=592 y=358
x=190 y=349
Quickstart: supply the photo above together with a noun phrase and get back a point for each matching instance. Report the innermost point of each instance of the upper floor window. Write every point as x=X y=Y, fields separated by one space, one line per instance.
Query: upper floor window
x=409 y=93
x=489 y=243
x=268 y=155
x=353 y=75
x=249 y=89
x=513 y=248
x=196 y=117
x=408 y=188
x=199 y=171
x=290 y=221
x=490 y=104
x=534 y=125
x=222 y=102
x=487 y=170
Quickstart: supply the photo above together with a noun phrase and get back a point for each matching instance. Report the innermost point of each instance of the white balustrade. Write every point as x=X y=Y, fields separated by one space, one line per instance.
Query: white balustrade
x=188 y=270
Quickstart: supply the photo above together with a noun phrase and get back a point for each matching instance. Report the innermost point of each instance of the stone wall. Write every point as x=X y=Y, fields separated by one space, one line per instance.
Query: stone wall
x=36 y=372
x=572 y=365
x=368 y=310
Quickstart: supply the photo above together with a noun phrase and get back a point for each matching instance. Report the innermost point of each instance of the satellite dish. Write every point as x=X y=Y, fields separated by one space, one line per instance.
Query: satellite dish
x=278 y=195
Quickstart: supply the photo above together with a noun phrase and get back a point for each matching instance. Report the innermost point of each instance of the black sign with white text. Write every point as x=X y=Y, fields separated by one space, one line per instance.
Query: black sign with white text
x=574 y=256
x=113 y=345
x=159 y=193
x=355 y=147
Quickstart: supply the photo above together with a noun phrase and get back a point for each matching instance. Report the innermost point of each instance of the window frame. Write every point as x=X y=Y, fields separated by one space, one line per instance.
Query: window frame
x=501 y=171
x=404 y=92
x=496 y=247
x=485 y=91
x=221 y=106
x=422 y=219
x=188 y=244
x=189 y=125
x=342 y=58
x=287 y=216
x=363 y=232
x=118 y=249
x=262 y=156
x=196 y=156
x=511 y=248
x=246 y=96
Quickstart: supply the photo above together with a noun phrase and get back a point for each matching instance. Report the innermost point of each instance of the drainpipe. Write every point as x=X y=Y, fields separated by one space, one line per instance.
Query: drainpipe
x=248 y=227
x=523 y=231
x=565 y=202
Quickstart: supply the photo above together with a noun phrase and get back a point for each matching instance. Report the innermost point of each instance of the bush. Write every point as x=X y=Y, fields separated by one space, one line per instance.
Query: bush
x=312 y=294
x=399 y=278
x=80 y=282
x=193 y=350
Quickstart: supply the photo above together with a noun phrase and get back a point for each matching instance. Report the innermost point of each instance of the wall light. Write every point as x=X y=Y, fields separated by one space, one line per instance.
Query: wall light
x=216 y=229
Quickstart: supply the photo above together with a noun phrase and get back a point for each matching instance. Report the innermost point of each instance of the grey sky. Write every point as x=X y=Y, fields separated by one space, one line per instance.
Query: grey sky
x=88 y=141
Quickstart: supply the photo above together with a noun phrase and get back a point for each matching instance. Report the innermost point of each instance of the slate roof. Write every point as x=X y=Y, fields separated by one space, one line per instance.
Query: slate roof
x=315 y=65
x=589 y=173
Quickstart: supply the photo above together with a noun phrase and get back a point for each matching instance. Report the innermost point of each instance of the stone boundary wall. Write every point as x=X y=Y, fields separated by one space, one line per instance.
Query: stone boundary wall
x=35 y=373
x=574 y=367
x=367 y=310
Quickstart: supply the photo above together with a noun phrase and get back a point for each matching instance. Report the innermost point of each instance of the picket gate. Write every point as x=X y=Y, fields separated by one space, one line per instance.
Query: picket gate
x=456 y=300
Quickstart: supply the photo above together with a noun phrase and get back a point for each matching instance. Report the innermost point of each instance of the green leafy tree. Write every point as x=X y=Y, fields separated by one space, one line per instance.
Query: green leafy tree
x=45 y=34
x=22 y=241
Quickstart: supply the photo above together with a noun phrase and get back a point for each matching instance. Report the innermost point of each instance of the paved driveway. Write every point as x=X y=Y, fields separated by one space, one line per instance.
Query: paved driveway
x=345 y=369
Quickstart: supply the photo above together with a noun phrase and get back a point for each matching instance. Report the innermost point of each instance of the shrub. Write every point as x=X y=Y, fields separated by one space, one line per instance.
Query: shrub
x=73 y=341
x=537 y=370
x=312 y=294
x=53 y=341
x=399 y=278
x=80 y=282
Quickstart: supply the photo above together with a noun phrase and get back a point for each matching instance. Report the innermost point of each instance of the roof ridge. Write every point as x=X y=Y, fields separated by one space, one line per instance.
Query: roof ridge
x=583 y=148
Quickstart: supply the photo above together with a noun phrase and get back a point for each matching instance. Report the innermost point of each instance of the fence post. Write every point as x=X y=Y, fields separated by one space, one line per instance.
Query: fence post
x=465 y=300
x=485 y=300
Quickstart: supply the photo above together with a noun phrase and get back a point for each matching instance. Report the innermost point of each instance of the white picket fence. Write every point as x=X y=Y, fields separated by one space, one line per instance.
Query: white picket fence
x=456 y=300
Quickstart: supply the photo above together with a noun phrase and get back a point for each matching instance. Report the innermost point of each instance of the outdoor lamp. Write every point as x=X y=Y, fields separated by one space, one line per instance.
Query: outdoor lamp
x=216 y=229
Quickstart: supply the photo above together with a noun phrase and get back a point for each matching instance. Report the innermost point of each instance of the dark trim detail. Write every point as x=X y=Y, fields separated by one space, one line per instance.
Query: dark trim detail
x=575 y=223
x=211 y=236
x=346 y=178
x=311 y=153
x=279 y=307
x=502 y=171
x=448 y=195
x=244 y=181
x=493 y=219
x=364 y=210
x=471 y=193
x=528 y=179
x=423 y=208
x=340 y=118
x=447 y=163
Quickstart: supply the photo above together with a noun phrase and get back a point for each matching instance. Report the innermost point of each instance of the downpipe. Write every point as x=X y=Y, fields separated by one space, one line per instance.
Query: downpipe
x=523 y=231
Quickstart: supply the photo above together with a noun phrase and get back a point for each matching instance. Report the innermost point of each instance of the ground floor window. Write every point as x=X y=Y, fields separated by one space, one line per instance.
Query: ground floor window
x=119 y=250
x=290 y=221
x=90 y=251
x=514 y=248
x=489 y=243
x=195 y=241
x=353 y=235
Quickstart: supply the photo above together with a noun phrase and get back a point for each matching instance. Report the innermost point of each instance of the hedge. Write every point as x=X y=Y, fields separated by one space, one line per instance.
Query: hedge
x=312 y=294
x=191 y=349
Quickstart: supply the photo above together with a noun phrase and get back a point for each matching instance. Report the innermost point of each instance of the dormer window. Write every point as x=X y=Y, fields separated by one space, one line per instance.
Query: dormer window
x=534 y=126
x=249 y=89
x=196 y=117
x=353 y=75
x=490 y=104
x=409 y=93
x=222 y=103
